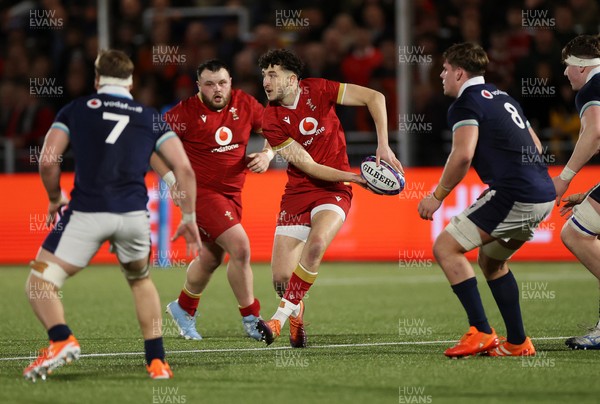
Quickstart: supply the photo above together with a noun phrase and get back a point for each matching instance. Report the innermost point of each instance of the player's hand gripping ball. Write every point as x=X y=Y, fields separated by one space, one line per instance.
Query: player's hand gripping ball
x=382 y=180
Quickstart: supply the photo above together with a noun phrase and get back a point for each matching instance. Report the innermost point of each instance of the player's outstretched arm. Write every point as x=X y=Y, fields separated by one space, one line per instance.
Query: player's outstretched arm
x=295 y=154
x=55 y=144
x=586 y=147
x=464 y=142
x=172 y=152
x=375 y=101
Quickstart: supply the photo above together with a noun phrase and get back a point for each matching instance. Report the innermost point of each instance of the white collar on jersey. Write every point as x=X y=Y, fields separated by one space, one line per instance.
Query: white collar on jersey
x=116 y=91
x=592 y=72
x=295 y=104
x=473 y=81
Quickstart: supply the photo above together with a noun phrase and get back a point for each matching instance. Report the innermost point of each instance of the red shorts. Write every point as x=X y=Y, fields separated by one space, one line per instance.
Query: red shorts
x=216 y=213
x=298 y=209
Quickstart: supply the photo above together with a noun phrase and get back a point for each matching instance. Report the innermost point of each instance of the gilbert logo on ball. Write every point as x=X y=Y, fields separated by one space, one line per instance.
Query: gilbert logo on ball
x=382 y=180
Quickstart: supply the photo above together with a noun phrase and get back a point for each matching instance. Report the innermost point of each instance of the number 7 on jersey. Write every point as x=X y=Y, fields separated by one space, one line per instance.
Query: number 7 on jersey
x=122 y=121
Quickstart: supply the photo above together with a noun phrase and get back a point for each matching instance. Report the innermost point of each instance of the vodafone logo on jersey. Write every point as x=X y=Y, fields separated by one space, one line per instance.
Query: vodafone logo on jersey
x=308 y=126
x=223 y=136
x=94 y=103
x=486 y=94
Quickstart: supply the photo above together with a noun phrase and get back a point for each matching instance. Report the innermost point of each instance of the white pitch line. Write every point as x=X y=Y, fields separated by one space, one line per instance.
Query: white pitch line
x=104 y=355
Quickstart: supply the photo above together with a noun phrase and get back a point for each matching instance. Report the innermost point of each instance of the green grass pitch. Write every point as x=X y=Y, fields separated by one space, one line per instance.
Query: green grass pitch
x=376 y=335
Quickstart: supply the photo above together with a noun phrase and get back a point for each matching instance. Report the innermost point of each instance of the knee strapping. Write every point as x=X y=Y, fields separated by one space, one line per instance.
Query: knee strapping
x=135 y=275
x=50 y=272
x=497 y=251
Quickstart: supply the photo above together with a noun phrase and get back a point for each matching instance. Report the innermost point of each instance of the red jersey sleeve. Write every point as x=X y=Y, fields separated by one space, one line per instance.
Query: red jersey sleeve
x=332 y=91
x=273 y=131
x=176 y=120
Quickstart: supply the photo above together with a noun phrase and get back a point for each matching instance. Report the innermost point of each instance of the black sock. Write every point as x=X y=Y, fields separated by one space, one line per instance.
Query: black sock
x=468 y=294
x=59 y=332
x=154 y=349
x=506 y=294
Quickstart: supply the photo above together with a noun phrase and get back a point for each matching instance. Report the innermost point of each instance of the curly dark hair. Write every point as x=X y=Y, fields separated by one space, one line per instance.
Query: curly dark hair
x=284 y=58
x=468 y=56
x=213 y=65
x=582 y=46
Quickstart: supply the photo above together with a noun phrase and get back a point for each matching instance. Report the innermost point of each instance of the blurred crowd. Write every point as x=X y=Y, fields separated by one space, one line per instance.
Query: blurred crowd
x=47 y=49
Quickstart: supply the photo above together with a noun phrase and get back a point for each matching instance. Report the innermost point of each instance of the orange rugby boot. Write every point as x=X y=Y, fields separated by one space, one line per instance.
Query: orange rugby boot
x=159 y=370
x=269 y=329
x=56 y=355
x=507 y=349
x=472 y=343
x=298 y=337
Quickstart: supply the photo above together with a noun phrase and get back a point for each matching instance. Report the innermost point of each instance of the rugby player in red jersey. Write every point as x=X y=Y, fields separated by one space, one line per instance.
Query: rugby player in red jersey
x=300 y=119
x=214 y=126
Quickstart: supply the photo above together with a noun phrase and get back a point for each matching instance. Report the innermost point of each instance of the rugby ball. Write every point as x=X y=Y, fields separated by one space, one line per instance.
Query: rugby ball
x=382 y=180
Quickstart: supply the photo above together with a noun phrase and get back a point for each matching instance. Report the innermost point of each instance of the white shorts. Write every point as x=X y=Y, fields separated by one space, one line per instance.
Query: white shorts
x=585 y=219
x=497 y=215
x=301 y=232
x=79 y=235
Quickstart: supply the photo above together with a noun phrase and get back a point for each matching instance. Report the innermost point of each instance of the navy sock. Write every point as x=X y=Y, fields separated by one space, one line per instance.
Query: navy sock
x=468 y=294
x=506 y=294
x=154 y=349
x=59 y=332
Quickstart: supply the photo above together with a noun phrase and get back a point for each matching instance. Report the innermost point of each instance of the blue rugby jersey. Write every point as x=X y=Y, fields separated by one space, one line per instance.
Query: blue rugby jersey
x=505 y=157
x=112 y=137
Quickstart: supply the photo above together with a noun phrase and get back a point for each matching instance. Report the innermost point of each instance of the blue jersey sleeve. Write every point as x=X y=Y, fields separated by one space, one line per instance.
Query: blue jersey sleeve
x=161 y=129
x=463 y=112
x=63 y=119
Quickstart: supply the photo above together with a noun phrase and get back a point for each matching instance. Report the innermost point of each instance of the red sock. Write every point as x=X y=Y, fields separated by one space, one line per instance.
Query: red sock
x=188 y=301
x=253 y=309
x=299 y=284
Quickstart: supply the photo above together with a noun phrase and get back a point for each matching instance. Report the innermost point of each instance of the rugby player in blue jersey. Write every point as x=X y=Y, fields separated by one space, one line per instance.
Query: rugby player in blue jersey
x=491 y=134
x=580 y=232
x=112 y=137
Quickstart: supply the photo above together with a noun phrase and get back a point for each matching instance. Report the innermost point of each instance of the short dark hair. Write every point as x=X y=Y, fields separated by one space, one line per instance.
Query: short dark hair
x=582 y=46
x=113 y=63
x=284 y=58
x=213 y=65
x=468 y=56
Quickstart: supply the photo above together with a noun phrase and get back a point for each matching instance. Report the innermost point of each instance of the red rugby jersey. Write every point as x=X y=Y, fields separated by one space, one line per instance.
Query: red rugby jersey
x=215 y=141
x=313 y=123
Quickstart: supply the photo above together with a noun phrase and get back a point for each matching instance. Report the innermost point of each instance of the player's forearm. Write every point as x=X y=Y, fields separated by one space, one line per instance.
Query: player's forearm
x=324 y=173
x=268 y=150
x=455 y=170
x=50 y=175
x=186 y=180
x=585 y=149
x=377 y=109
x=298 y=156
x=159 y=165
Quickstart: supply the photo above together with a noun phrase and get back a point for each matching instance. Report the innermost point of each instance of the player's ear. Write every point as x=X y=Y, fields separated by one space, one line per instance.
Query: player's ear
x=459 y=73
